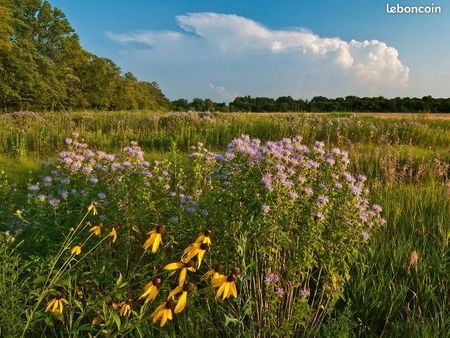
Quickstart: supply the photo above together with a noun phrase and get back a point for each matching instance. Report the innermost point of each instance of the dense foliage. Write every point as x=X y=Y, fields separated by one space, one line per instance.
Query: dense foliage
x=289 y=216
x=318 y=104
x=43 y=67
x=400 y=289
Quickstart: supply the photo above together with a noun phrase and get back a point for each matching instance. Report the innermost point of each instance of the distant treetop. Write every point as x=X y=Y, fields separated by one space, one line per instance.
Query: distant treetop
x=43 y=67
x=426 y=104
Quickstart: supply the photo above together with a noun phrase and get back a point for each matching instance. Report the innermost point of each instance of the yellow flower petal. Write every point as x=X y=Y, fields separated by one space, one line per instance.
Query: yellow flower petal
x=200 y=257
x=182 y=277
x=165 y=316
x=175 y=292
x=76 y=250
x=149 y=242
x=173 y=266
x=226 y=290
x=208 y=274
x=96 y=230
x=50 y=304
x=218 y=281
x=220 y=291
x=181 y=304
x=113 y=234
x=158 y=312
x=92 y=208
x=156 y=243
x=233 y=289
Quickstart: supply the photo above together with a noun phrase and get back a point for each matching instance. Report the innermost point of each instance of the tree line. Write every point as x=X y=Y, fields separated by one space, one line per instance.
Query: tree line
x=43 y=67
x=318 y=104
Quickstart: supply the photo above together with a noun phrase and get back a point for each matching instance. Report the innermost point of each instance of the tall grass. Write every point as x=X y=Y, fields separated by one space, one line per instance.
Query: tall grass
x=23 y=134
x=407 y=162
x=403 y=291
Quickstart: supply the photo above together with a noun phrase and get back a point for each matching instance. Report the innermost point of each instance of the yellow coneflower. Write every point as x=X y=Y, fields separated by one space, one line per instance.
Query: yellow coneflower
x=125 y=309
x=151 y=290
x=204 y=238
x=76 y=250
x=163 y=313
x=113 y=234
x=56 y=305
x=93 y=208
x=227 y=286
x=96 y=229
x=213 y=273
x=154 y=239
x=195 y=250
x=183 y=267
x=182 y=299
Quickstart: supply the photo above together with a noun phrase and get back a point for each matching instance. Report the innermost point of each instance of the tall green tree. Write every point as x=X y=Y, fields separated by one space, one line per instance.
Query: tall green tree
x=42 y=66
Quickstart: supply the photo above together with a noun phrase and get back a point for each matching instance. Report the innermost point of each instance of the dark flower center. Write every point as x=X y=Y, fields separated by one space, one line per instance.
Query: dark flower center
x=161 y=229
x=189 y=264
x=231 y=278
x=156 y=281
x=189 y=287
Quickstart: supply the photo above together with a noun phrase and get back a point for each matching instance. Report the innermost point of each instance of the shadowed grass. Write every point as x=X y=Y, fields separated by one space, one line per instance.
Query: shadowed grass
x=394 y=295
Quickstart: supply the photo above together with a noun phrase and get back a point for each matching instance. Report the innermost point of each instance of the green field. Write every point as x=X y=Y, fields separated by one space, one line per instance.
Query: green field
x=392 y=291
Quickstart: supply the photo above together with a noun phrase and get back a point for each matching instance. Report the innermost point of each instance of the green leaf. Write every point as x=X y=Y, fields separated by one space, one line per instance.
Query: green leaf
x=119 y=280
x=229 y=320
x=116 y=319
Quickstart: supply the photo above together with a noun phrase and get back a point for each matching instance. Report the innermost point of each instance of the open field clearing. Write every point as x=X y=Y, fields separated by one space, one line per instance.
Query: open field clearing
x=343 y=232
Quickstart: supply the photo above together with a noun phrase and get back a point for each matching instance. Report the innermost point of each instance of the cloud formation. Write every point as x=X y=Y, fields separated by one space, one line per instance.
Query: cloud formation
x=241 y=56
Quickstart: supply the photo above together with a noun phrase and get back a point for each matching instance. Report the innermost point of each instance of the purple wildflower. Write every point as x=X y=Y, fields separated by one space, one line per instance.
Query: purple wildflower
x=338 y=185
x=54 y=202
x=320 y=216
x=377 y=208
x=305 y=293
x=301 y=179
x=265 y=208
x=356 y=190
x=272 y=278
x=308 y=191
x=365 y=235
x=293 y=195
x=280 y=292
x=33 y=187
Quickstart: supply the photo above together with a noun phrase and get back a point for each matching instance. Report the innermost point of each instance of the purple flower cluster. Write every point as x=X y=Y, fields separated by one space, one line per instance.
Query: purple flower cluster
x=272 y=278
x=81 y=172
x=314 y=177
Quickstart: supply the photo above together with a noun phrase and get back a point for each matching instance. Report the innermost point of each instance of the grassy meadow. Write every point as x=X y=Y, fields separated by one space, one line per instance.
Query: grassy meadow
x=399 y=288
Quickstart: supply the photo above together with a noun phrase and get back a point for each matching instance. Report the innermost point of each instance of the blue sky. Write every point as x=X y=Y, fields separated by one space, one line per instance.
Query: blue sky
x=221 y=49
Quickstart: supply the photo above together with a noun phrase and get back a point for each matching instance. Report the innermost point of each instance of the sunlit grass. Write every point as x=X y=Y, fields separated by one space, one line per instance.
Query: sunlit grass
x=406 y=160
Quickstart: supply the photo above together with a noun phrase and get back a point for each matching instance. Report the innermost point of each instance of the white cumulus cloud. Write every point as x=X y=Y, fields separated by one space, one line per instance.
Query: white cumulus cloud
x=249 y=58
